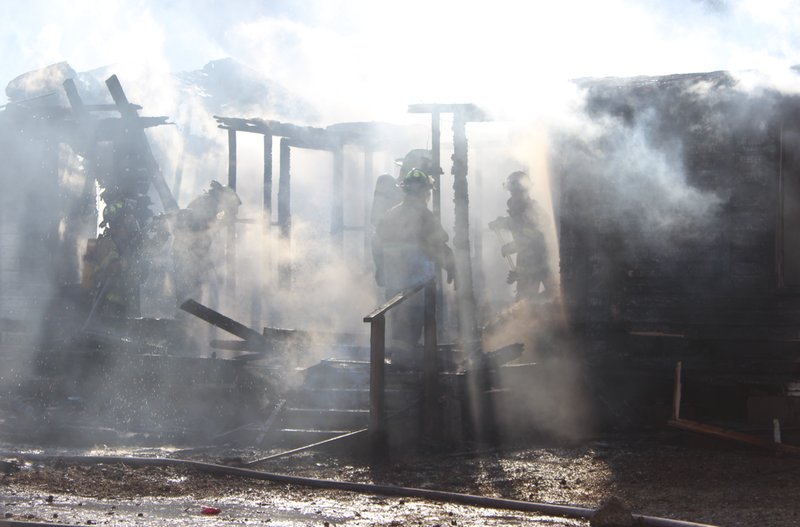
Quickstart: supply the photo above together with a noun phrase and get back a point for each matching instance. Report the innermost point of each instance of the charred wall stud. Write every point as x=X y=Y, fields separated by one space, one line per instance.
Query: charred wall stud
x=135 y=127
x=267 y=203
x=285 y=212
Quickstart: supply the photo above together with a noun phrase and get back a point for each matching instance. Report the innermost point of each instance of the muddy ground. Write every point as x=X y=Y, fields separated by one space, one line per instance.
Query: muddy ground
x=666 y=474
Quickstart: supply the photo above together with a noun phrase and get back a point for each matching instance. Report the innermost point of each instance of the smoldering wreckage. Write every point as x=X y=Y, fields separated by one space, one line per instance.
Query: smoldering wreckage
x=680 y=309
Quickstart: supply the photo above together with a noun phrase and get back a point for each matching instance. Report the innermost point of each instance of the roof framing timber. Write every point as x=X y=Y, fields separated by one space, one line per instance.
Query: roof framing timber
x=367 y=135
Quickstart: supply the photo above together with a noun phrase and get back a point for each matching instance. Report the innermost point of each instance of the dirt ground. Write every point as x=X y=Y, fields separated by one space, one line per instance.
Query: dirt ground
x=669 y=474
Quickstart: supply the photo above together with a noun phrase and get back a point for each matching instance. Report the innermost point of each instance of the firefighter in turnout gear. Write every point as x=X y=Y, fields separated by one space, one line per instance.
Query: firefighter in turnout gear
x=194 y=231
x=408 y=246
x=116 y=277
x=388 y=190
x=531 y=270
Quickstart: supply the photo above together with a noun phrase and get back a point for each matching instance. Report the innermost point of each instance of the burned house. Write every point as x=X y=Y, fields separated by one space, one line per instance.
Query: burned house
x=675 y=205
x=677 y=215
x=134 y=373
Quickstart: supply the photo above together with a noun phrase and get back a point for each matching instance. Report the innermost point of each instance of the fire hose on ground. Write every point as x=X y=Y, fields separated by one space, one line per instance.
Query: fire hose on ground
x=567 y=511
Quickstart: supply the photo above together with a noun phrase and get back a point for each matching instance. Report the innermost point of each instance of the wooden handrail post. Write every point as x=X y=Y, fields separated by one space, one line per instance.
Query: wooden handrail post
x=676 y=393
x=377 y=354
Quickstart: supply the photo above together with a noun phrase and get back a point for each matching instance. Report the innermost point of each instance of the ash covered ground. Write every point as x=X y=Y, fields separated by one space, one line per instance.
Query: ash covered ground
x=668 y=474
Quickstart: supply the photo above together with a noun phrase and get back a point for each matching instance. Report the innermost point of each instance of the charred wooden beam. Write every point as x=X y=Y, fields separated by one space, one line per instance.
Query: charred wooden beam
x=367 y=135
x=267 y=196
x=467 y=318
x=716 y=431
x=135 y=127
x=266 y=275
x=285 y=213
x=436 y=162
x=301 y=136
x=733 y=435
x=74 y=97
x=469 y=112
x=377 y=385
x=224 y=323
x=78 y=106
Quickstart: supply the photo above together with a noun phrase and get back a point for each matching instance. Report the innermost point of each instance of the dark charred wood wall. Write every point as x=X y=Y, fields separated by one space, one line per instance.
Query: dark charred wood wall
x=676 y=206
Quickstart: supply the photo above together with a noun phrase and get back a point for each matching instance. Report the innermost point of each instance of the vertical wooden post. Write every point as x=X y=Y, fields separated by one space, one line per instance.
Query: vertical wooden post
x=230 y=246
x=779 y=235
x=267 y=210
x=676 y=396
x=436 y=162
x=467 y=321
x=285 y=214
x=377 y=354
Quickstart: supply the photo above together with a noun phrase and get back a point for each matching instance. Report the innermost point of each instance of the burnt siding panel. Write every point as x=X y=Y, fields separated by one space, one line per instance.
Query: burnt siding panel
x=722 y=273
x=753 y=215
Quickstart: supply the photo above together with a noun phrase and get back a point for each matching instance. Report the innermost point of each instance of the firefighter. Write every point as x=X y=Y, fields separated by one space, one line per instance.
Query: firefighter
x=408 y=246
x=388 y=192
x=116 y=278
x=194 y=231
x=531 y=270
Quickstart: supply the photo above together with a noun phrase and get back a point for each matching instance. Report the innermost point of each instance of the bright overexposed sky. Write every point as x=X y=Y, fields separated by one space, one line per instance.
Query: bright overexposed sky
x=371 y=56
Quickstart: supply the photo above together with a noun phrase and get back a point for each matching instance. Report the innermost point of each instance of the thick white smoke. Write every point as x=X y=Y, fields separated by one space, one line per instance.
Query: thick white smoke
x=331 y=61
